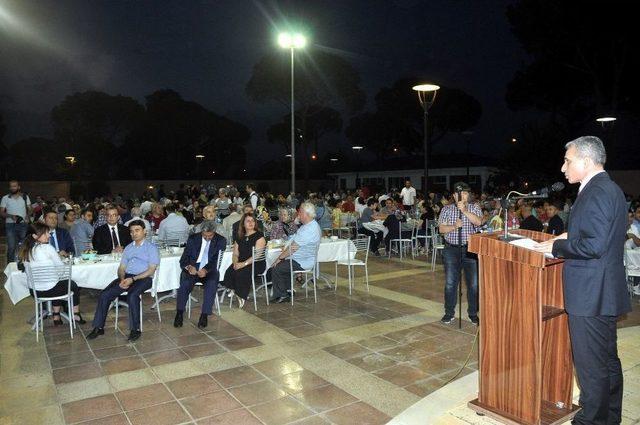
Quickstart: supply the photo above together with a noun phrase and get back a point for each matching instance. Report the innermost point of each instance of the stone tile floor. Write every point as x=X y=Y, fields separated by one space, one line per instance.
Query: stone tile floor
x=349 y=359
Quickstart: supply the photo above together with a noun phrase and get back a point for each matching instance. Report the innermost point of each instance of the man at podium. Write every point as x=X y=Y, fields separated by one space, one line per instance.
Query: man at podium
x=457 y=222
x=595 y=290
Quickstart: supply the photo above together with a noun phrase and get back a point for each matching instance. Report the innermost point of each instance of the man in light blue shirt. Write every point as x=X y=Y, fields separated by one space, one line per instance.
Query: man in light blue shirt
x=82 y=232
x=304 y=246
x=139 y=262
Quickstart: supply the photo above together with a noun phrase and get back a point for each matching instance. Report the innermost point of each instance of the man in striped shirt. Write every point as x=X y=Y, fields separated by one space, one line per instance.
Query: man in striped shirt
x=457 y=222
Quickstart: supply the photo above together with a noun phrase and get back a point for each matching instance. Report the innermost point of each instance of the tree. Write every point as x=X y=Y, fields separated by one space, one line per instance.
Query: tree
x=583 y=58
x=398 y=119
x=325 y=120
x=36 y=158
x=324 y=82
x=90 y=125
x=176 y=130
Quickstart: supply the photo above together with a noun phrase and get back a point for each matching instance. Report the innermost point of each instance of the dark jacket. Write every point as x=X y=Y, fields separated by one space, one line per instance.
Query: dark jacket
x=102 y=238
x=531 y=223
x=65 y=241
x=192 y=251
x=593 y=274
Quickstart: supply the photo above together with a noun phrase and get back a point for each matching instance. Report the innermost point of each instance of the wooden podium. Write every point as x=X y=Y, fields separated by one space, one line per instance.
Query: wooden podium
x=525 y=363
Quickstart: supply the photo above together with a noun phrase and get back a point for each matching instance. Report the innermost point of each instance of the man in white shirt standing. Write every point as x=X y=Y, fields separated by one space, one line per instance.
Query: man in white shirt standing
x=173 y=225
x=408 y=195
x=15 y=208
x=254 y=199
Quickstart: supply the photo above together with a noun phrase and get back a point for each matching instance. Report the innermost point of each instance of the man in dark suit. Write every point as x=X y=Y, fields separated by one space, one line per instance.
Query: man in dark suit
x=199 y=262
x=595 y=289
x=529 y=222
x=59 y=238
x=111 y=237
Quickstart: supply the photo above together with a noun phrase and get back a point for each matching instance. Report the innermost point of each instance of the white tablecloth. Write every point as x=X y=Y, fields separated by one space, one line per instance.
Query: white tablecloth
x=632 y=261
x=329 y=251
x=96 y=275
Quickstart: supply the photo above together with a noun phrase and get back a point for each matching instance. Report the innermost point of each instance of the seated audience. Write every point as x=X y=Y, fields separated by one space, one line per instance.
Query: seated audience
x=111 y=236
x=284 y=227
x=82 y=232
x=304 y=246
x=136 y=214
x=246 y=209
x=36 y=250
x=68 y=220
x=555 y=226
x=199 y=263
x=369 y=214
x=156 y=216
x=135 y=273
x=59 y=238
x=529 y=222
x=237 y=278
x=174 y=224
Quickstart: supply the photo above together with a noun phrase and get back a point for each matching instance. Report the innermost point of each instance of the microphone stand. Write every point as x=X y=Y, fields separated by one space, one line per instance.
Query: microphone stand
x=461 y=266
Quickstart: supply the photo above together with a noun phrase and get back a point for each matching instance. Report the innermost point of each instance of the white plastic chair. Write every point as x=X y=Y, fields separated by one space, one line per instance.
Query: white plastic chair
x=426 y=237
x=437 y=245
x=401 y=243
x=219 y=289
x=154 y=293
x=175 y=238
x=305 y=273
x=259 y=255
x=360 y=245
x=45 y=273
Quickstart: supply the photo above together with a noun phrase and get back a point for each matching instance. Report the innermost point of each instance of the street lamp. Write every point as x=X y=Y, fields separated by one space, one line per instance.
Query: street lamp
x=426 y=97
x=292 y=42
x=199 y=159
x=468 y=135
x=357 y=150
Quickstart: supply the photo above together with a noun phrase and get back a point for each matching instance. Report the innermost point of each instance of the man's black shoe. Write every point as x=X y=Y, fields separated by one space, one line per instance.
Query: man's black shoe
x=474 y=320
x=446 y=319
x=134 y=335
x=95 y=332
x=177 y=322
x=202 y=323
x=282 y=300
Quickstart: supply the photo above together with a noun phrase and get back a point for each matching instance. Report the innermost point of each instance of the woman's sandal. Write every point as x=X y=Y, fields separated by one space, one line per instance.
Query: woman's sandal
x=80 y=320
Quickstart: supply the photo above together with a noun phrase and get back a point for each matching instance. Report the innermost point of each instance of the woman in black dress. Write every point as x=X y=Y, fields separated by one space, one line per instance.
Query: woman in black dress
x=237 y=278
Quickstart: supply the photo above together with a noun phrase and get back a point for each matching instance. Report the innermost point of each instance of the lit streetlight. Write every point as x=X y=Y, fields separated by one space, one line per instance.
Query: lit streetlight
x=292 y=42
x=199 y=159
x=70 y=159
x=357 y=150
x=426 y=97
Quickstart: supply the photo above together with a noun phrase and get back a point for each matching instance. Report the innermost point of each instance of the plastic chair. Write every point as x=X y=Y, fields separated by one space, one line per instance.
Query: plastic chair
x=45 y=273
x=154 y=293
x=306 y=272
x=437 y=245
x=360 y=245
x=219 y=289
x=401 y=243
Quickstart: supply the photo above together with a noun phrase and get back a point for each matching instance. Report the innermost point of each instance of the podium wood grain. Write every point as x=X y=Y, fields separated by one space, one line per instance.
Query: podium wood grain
x=525 y=365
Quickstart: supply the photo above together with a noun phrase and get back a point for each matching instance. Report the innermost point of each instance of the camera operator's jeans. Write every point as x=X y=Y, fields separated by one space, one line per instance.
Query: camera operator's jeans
x=451 y=256
x=16 y=232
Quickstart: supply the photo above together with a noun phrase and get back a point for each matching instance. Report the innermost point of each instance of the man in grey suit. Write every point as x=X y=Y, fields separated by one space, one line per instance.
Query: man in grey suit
x=595 y=290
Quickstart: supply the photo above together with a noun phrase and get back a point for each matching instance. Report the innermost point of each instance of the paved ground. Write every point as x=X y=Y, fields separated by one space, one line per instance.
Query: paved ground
x=349 y=359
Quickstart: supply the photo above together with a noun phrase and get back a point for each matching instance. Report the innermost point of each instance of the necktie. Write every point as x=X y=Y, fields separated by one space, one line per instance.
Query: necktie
x=114 y=237
x=205 y=256
x=52 y=238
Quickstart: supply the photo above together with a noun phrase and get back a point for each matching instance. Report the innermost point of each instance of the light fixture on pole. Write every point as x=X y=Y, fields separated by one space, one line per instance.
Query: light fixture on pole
x=357 y=150
x=606 y=121
x=426 y=97
x=467 y=134
x=199 y=159
x=292 y=42
x=71 y=159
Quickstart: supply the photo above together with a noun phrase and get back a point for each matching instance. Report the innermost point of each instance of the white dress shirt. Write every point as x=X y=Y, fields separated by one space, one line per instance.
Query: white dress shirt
x=584 y=181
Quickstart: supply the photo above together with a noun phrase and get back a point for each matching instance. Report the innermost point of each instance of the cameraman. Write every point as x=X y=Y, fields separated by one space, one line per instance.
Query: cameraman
x=15 y=207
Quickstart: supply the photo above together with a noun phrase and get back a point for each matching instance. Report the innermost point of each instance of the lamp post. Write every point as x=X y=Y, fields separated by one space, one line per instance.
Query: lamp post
x=468 y=135
x=292 y=42
x=357 y=150
x=199 y=159
x=426 y=97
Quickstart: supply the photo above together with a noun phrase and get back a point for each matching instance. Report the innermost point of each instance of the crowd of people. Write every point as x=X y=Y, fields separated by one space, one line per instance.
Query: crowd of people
x=212 y=218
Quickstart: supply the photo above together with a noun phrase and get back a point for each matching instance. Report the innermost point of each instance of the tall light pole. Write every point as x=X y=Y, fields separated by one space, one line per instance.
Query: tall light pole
x=199 y=159
x=292 y=42
x=357 y=150
x=426 y=97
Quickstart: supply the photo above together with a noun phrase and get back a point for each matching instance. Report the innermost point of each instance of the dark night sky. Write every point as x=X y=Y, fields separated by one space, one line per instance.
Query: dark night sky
x=205 y=50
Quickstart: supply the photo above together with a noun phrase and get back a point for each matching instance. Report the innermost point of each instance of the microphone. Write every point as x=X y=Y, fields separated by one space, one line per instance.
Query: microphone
x=556 y=187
